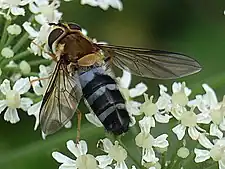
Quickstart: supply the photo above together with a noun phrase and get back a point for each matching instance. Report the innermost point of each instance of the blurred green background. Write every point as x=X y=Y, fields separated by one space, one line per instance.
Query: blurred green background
x=195 y=28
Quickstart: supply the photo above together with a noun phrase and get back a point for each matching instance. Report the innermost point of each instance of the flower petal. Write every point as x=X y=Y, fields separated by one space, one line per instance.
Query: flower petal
x=22 y=85
x=210 y=96
x=138 y=90
x=27 y=26
x=5 y=86
x=133 y=107
x=162 y=118
x=201 y=155
x=204 y=118
x=107 y=144
x=193 y=133
x=35 y=110
x=25 y=103
x=77 y=149
x=204 y=141
x=17 y=11
x=125 y=80
x=2 y=105
x=92 y=118
x=104 y=160
x=11 y=115
x=161 y=141
x=121 y=165
x=215 y=131
x=61 y=158
x=179 y=130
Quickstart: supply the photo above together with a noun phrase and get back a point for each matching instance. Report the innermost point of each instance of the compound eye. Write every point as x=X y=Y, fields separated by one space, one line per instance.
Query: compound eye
x=74 y=26
x=53 y=36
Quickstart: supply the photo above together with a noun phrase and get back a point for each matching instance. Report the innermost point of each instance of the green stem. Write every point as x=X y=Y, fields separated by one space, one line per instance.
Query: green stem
x=129 y=155
x=173 y=157
x=214 y=165
x=176 y=164
x=39 y=62
x=21 y=42
x=4 y=34
x=163 y=160
x=9 y=40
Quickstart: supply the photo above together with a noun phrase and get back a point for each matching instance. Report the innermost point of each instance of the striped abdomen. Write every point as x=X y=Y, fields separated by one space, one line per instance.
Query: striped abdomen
x=105 y=99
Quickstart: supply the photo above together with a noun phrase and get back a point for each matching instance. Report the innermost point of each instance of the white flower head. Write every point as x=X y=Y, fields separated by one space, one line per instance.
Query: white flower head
x=13 y=99
x=14 y=29
x=83 y=160
x=216 y=152
x=104 y=4
x=115 y=152
x=14 y=6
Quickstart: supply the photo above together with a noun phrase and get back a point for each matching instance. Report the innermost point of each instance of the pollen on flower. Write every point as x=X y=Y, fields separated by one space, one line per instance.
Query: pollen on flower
x=14 y=29
x=189 y=118
x=117 y=152
x=7 y=52
x=180 y=97
x=148 y=107
x=13 y=99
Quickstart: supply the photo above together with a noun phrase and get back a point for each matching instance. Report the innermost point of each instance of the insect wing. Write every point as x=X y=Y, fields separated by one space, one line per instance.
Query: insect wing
x=60 y=100
x=155 y=64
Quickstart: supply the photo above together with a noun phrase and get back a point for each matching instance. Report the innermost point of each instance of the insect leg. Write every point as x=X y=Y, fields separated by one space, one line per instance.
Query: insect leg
x=79 y=115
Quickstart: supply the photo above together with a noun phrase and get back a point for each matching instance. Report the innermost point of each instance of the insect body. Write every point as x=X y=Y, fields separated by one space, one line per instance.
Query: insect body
x=81 y=70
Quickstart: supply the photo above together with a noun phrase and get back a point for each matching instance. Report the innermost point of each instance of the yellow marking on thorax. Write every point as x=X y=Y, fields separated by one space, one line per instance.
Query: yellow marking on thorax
x=90 y=59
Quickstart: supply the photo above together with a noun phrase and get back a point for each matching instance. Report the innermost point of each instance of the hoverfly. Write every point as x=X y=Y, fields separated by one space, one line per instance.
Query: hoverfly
x=82 y=71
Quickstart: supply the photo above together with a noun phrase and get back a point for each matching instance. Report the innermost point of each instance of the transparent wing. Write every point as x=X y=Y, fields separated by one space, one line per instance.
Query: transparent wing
x=60 y=100
x=151 y=63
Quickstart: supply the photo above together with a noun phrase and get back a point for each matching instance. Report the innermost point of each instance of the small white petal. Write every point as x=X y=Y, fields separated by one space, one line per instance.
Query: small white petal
x=7 y=52
x=68 y=125
x=117 y=4
x=61 y=158
x=193 y=133
x=33 y=8
x=138 y=90
x=201 y=155
x=204 y=118
x=146 y=123
x=148 y=155
x=132 y=121
x=107 y=144
x=125 y=80
x=35 y=110
x=93 y=119
x=17 y=11
x=204 y=141
x=14 y=29
x=162 y=118
x=104 y=160
x=22 y=85
x=210 y=96
x=27 y=26
x=133 y=107
x=176 y=87
x=222 y=164
x=215 y=131
x=179 y=130
x=121 y=165
x=77 y=149
x=2 y=105
x=11 y=115
x=5 y=86
x=161 y=141
x=25 y=103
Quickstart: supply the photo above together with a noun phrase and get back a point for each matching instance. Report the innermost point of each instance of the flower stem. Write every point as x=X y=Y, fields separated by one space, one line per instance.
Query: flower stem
x=4 y=34
x=21 y=42
x=129 y=155
x=163 y=160
x=39 y=62
x=173 y=157
x=9 y=40
x=214 y=165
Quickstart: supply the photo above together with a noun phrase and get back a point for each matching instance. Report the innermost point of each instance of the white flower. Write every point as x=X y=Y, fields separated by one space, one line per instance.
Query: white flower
x=188 y=120
x=13 y=100
x=40 y=39
x=115 y=152
x=146 y=141
x=45 y=12
x=216 y=152
x=24 y=67
x=104 y=4
x=151 y=110
x=83 y=160
x=14 y=6
x=211 y=111
x=7 y=52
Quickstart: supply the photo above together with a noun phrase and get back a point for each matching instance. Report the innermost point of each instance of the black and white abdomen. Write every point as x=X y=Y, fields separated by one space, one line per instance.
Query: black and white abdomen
x=102 y=94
